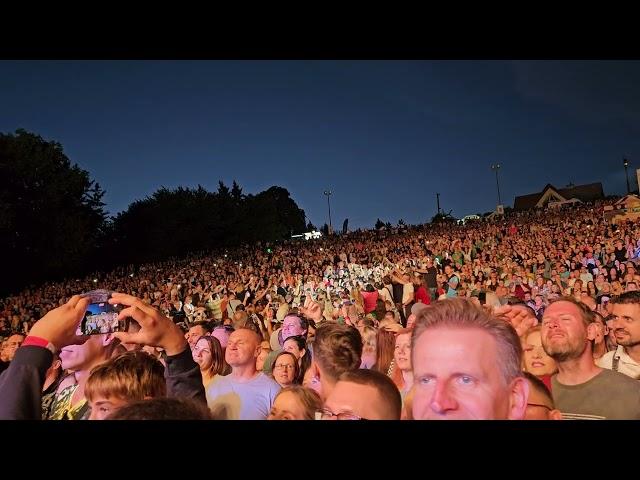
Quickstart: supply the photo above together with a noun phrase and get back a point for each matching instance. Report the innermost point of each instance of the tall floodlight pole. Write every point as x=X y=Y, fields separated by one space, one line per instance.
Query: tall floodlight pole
x=328 y=194
x=495 y=168
x=625 y=162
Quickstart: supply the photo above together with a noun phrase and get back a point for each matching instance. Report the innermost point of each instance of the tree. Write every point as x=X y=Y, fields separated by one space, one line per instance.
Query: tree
x=51 y=213
x=311 y=227
x=236 y=192
x=325 y=230
x=401 y=223
x=443 y=218
x=379 y=224
x=183 y=220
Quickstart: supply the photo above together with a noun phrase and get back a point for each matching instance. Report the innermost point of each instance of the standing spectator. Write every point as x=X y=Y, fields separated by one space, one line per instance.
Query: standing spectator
x=402 y=373
x=456 y=348
x=245 y=394
x=285 y=369
x=336 y=349
x=9 y=348
x=626 y=328
x=540 y=405
x=208 y=354
x=582 y=390
x=363 y=395
x=295 y=403
x=370 y=298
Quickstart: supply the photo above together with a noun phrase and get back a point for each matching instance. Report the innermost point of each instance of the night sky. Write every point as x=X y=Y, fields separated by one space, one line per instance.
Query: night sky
x=384 y=136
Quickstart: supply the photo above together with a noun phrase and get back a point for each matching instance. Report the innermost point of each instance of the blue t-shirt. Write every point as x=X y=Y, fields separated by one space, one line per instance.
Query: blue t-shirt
x=249 y=400
x=452 y=292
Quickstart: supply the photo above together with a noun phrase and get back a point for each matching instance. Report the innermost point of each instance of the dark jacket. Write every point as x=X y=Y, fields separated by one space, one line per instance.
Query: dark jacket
x=21 y=384
x=183 y=377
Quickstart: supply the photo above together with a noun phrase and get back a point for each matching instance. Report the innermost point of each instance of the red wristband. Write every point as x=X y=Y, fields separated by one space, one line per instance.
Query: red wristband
x=39 y=342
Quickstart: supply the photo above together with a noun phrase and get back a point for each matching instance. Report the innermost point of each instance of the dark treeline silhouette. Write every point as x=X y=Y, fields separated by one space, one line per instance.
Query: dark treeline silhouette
x=53 y=224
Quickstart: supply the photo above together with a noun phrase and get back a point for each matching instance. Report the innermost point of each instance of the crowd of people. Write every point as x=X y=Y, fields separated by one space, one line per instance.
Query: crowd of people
x=531 y=315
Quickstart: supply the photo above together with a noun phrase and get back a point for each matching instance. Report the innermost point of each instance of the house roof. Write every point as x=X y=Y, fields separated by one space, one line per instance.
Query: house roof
x=586 y=193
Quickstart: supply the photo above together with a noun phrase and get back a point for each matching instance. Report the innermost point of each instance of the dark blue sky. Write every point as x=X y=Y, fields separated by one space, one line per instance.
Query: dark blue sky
x=384 y=136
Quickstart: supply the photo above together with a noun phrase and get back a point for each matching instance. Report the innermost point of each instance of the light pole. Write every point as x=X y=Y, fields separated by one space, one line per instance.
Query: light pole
x=625 y=162
x=328 y=194
x=495 y=168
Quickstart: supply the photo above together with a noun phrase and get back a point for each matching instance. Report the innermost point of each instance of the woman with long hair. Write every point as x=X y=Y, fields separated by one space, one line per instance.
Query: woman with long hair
x=207 y=353
x=400 y=371
x=369 y=345
x=385 y=345
x=298 y=346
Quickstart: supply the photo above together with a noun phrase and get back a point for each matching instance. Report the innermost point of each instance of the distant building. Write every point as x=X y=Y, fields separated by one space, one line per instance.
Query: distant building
x=550 y=196
x=625 y=209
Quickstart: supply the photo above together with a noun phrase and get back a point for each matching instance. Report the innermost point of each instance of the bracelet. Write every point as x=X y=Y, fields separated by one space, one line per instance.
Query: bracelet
x=39 y=342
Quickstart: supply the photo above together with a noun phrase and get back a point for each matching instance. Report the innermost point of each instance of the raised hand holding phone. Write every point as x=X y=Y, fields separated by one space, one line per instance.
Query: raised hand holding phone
x=156 y=330
x=59 y=325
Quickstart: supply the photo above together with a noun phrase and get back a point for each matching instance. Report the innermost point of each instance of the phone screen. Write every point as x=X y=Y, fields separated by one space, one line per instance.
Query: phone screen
x=102 y=318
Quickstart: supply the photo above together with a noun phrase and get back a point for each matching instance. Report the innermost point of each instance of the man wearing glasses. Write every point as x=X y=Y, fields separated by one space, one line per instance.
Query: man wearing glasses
x=363 y=395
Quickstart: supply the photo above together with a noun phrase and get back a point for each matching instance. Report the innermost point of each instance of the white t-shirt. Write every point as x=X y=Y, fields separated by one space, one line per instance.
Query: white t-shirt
x=407 y=293
x=248 y=400
x=627 y=365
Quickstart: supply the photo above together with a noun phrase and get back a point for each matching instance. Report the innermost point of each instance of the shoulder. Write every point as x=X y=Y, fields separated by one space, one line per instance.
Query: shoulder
x=606 y=360
x=218 y=384
x=264 y=379
x=619 y=380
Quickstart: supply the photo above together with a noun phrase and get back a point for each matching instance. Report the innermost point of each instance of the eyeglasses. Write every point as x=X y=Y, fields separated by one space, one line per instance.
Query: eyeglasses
x=326 y=414
x=539 y=405
x=282 y=366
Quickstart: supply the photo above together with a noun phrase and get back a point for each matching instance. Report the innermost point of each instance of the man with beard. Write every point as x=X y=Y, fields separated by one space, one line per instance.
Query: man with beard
x=581 y=389
x=626 y=328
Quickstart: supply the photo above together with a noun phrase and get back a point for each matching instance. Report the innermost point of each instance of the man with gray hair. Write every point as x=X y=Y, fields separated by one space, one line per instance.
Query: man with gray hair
x=466 y=365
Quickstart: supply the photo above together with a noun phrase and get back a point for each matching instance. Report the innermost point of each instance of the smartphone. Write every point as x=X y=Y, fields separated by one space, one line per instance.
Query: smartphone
x=102 y=317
